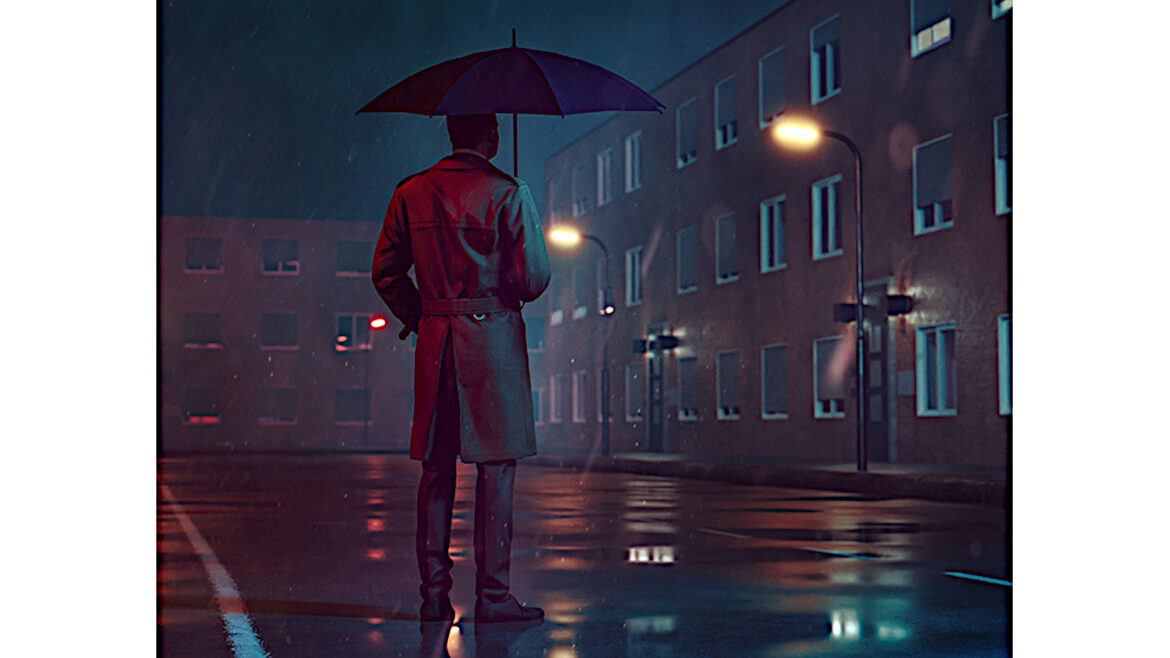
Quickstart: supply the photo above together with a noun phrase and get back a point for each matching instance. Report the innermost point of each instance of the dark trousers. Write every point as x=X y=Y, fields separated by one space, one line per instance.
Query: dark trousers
x=436 y=500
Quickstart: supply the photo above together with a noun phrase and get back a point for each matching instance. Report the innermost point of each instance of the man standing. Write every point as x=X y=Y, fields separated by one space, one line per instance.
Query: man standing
x=473 y=236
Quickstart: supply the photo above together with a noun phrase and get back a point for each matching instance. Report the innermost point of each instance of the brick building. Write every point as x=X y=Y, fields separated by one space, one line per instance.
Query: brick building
x=266 y=341
x=739 y=248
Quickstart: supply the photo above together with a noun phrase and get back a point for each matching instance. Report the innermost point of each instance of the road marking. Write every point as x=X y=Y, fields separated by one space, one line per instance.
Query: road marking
x=724 y=533
x=838 y=553
x=241 y=636
x=982 y=579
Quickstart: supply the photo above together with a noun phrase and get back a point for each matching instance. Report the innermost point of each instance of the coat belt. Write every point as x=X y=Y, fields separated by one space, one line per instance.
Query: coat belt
x=464 y=306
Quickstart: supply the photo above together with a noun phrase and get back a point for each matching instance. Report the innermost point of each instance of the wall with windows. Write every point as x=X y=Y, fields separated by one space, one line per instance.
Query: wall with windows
x=266 y=342
x=741 y=248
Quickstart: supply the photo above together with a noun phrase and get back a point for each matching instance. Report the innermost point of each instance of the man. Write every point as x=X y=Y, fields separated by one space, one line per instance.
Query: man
x=473 y=236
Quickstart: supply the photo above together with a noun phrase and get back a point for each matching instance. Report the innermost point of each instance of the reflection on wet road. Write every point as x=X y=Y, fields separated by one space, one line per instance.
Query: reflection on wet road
x=320 y=552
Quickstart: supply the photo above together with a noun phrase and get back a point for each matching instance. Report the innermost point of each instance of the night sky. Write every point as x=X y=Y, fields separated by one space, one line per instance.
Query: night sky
x=258 y=97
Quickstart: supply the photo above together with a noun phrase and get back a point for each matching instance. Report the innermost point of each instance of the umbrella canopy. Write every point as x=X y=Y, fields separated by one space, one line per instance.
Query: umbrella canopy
x=515 y=81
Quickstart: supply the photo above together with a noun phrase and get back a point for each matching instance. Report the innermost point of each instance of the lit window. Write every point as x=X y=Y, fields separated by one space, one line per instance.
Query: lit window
x=604 y=171
x=280 y=257
x=830 y=370
x=930 y=25
x=687 y=144
x=634 y=276
x=556 y=388
x=278 y=406
x=353 y=332
x=201 y=406
x=634 y=161
x=1005 y=364
x=278 y=331
x=933 y=203
x=351 y=406
x=725 y=114
x=354 y=257
x=772 y=99
x=726 y=249
x=580 y=195
x=688 y=246
x=688 y=388
x=936 y=370
x=825 y=60
x=1000 y=7
x=727 y=374
x=204 y=254
x=556 y=285
x=826 y=218
x=635 y=392
x=773 y=239
x=201 y=330
x=1003 y=164
x=580 y=380
x=774 y=363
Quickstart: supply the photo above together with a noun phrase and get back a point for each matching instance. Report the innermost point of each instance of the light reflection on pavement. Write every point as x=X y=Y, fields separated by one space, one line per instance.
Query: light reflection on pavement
x=321 y=549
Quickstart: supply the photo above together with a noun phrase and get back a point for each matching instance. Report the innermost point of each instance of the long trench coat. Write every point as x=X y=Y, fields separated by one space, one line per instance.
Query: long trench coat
x=470 y=231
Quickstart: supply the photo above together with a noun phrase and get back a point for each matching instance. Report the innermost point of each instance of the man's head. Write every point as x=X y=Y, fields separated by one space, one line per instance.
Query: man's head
x=474 y=131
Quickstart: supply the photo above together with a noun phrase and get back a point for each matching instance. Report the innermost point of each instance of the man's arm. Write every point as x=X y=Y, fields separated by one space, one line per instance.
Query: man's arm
x=393 y=258
x=529 y=272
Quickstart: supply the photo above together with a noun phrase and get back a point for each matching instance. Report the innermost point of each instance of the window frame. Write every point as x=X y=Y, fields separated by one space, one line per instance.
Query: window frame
x=720 y=279
x=634 y=163
x=352 y=273
x=835 y=412
x=678 y=159
x=279 y=348
x=936 y=210
x=357 y=346
x=634 y=276
x=580 y=379
x=834 y=184
x=720 y=414
x=1003 y=326
x=538 y=406
x=817 y=68
x=578 y=190
x=1003 y=181
x=206 y=419
x=684 y=413
x=202 y=270
x=937 y=34
x=280 y=263
x=188 y=345
x=263 y=420
x=722 y=142
x=921 y=336
x=766 y=122
x=764 y=413
x=678 y=267
x=641 y=373
x=579 y=310
x=556 y=387
x=605 y=176
x=767 y=234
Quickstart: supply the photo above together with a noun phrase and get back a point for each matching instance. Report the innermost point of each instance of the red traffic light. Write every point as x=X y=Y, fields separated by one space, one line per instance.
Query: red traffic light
x=377 y=322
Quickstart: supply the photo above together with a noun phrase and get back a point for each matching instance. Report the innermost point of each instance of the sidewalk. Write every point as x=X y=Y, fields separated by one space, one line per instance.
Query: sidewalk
x=984 y=485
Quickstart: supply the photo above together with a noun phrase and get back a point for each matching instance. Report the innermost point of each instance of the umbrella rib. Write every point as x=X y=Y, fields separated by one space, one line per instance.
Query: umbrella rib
x=544 y=75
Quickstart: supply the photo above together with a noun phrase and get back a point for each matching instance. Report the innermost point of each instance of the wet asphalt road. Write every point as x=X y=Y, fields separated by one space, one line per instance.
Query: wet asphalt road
x=313 y=556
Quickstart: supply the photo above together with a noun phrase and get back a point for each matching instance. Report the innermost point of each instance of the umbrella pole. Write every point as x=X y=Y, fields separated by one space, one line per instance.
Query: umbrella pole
x=515 y=152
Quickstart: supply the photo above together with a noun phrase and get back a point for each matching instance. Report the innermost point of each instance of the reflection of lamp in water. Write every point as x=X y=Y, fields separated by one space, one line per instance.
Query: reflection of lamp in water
x=651 y=555
x=843 y=624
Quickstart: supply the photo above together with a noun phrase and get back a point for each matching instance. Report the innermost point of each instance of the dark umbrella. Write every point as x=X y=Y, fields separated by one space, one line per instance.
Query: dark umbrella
x=516 y=81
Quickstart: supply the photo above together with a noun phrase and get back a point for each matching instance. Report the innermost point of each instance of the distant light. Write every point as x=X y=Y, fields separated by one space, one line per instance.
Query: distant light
x=377 y=322
x=565 y=236
x=794 y=132
x=608 y=310
x=342 y=339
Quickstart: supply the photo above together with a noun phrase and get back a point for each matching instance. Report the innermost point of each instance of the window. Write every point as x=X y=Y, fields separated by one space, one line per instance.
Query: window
x=556 y=284
x=830 y=369
x=278 y=331
x=354 y=257
x=634 y=161
x=204 y=255
x=556 y=387
x=601 y=375
x=687 y=145
x=727 y=253
x=825 y=60
x=353 y=332
x=580 y=196
x=933 y=208
x=774 y=364
x=537 y=408
x=603 y=293
x=604 y=171
x=534 y=333
x=580 y=380
x=688 y=246
x=772 y=100
x=826 y=217
x=280 y=257
x=278 y=406
x=688 y=388
x=773 y=240
x=930 y=25
x=727 y=373
x=582 y=291
x=936 y=370
x=725 y=114
x=200 y=406
x=635 y=393
x=1005 y=364
x=1003 y=164
x=351 y=406
x=1000 y=7
x=634 y=276
x=201 y=330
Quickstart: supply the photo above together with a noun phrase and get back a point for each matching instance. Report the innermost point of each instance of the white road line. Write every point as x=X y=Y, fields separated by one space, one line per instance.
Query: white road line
x=837 y=553
x=721 y=532
x=982 y=579
x=241 y=637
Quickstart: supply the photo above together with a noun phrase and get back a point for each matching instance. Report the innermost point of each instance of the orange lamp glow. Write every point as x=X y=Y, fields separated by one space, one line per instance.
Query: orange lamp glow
x=377 y=322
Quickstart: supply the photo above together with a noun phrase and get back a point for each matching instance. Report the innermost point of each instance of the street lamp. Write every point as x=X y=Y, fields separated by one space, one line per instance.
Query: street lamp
x=567 y=236
x=803 y=134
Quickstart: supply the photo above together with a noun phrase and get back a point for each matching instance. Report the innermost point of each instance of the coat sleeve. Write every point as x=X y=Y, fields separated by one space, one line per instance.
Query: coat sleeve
x=528 y=268
x=393 y=258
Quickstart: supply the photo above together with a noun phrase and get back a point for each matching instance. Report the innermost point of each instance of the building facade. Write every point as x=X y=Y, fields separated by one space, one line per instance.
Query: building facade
x=739 y=247
x=266 y=341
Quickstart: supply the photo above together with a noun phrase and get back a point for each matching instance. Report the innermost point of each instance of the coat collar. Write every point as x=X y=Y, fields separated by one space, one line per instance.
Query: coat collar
x=463 y=161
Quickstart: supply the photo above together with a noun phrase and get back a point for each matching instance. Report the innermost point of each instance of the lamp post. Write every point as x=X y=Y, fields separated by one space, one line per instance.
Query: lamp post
x=794 y=133
x=568 y=237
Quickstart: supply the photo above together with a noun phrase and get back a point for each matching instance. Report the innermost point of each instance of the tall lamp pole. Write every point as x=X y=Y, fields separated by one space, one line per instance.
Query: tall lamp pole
x=794 y=133
x=567 y=236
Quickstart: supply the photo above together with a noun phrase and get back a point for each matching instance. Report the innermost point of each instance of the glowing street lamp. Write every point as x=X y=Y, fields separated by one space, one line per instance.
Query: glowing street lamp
x=378 y=322
x=568 y=236
x=801 y=134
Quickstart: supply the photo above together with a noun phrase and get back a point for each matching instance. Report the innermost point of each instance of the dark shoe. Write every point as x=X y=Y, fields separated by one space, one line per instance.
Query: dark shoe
x=436 y=608
x=507 y=610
